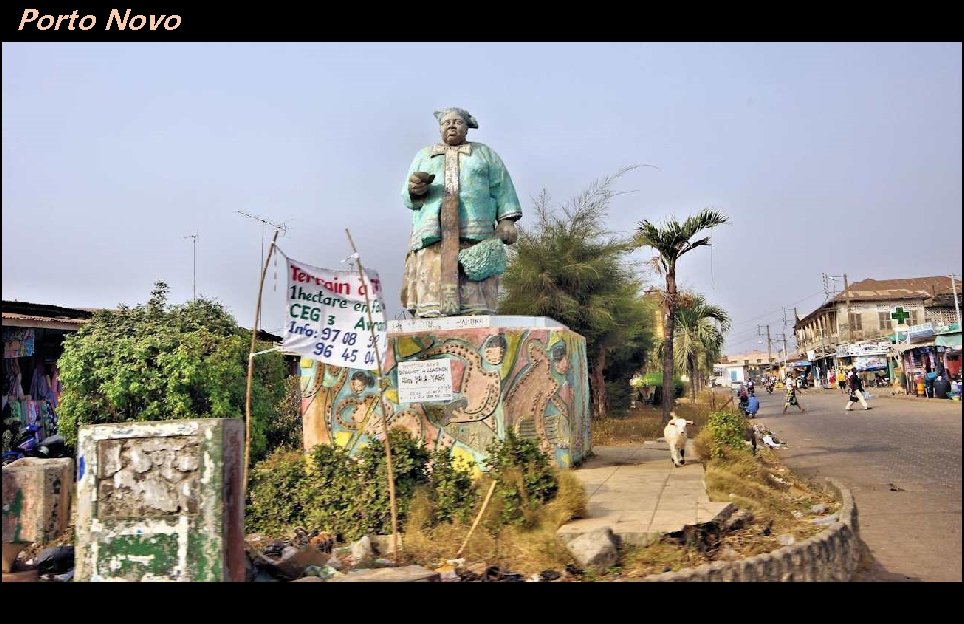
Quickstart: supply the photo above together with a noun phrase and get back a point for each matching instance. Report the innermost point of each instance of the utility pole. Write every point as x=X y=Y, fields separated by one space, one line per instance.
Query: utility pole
x=193 y=238
x=828 y=290
x=769 y=348
x=786 y=354
x=957 y=307
x=850 y=325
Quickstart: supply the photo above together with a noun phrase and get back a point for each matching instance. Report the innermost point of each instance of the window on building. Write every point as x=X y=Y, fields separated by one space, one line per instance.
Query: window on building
x=914 y=317
x=855 y=323
x=885 y=321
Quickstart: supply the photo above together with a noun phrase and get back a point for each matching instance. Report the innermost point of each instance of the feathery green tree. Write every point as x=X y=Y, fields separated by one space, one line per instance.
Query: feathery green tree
x=568 y=266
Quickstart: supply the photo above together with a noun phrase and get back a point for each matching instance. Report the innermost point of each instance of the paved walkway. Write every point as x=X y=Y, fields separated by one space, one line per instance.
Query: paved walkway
x=638 y=493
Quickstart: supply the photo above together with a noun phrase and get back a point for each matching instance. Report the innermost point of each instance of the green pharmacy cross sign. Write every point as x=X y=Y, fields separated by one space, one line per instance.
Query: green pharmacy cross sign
x=900 y=315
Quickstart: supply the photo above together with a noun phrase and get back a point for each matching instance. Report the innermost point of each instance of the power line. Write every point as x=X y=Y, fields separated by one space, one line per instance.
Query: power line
x=780 y=309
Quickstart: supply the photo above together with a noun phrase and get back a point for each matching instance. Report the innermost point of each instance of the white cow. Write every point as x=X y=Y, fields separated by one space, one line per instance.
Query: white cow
x=675 y=434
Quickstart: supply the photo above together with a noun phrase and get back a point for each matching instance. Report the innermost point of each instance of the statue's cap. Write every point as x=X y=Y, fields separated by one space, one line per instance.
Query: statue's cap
x=464 y=114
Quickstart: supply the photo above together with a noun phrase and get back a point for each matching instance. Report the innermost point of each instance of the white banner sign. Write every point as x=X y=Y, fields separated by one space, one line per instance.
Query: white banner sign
x=425 y=381
x=327 y=316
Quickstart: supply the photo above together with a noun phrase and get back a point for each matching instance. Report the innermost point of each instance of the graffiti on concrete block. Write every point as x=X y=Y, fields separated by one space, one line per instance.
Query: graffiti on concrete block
x=532 y=382
x=144 y=477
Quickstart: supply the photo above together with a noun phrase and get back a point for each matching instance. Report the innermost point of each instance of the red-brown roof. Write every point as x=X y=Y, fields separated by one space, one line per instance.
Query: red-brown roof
x=909 y=288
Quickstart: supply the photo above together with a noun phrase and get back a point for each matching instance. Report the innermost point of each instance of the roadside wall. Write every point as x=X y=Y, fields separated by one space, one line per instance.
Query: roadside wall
x=830 y=556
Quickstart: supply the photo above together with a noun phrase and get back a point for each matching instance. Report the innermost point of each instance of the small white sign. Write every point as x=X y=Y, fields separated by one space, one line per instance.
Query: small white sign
x=425 y=381
x=445 y=322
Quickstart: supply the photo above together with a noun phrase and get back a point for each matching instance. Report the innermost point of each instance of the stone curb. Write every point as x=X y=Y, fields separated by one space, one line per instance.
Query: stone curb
x=830 y=556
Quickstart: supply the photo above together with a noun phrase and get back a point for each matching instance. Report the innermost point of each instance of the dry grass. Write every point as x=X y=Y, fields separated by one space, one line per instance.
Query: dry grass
x=526 y=550
x=645 y=422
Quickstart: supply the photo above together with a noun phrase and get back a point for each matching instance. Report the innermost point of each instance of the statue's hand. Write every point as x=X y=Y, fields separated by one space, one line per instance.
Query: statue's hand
x=507 y=231
x=418 y=183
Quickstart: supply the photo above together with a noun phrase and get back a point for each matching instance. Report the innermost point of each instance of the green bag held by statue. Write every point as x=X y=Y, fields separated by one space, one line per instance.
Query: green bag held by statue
x=483 y=260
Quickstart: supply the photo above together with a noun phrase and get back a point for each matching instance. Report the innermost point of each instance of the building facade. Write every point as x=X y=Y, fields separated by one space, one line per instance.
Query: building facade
x=873 y=323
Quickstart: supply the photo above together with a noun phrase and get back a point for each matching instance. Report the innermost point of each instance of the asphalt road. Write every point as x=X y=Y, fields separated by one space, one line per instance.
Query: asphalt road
x=902 y=461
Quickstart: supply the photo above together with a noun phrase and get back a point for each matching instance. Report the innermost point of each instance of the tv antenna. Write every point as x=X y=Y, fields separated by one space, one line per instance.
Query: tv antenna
x=281 y=228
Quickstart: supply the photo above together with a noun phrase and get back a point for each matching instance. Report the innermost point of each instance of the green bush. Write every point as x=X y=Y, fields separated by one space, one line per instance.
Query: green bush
x=525 y=477
x=655 y=380
x=332 y=493
x=285 y=429
x=452 y=491
x=410 y=465
x=727 y=433
x=157 y=361
x=278 y=493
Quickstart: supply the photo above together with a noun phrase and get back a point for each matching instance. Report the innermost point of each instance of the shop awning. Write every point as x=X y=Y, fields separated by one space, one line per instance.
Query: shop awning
x=948 y=340
x=903 y=346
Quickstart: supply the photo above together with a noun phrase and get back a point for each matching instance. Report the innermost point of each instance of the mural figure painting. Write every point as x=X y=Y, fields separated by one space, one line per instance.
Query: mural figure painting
x=462 y=200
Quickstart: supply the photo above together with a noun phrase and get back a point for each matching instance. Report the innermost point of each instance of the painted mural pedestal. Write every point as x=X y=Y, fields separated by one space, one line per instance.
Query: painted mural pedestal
x=522 y=374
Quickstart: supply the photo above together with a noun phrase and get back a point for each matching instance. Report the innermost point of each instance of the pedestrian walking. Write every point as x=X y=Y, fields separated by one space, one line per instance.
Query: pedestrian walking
x=856 y=388
x=791 y=397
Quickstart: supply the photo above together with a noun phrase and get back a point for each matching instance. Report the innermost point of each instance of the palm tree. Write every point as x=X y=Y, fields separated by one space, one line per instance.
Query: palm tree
x=699 y=335
x=671 y=241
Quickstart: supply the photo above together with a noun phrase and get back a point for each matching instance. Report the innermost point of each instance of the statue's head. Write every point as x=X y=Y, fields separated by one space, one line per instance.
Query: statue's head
x=454 y=124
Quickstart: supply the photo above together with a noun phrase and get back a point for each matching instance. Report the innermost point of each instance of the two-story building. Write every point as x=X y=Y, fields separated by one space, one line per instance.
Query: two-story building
x=856 y=328
x=734 y=369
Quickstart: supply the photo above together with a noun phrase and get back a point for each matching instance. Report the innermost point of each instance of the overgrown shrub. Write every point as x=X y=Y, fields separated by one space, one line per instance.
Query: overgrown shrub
x=157 y=361
x=726 y=433
x=525 y=477
x=332 y=491
x=277 y=494
x=285 y=429
x=410 y=465
x=453 y=493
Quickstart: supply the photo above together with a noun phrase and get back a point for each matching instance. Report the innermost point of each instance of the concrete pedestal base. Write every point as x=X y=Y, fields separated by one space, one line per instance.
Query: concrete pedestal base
x=522 y=374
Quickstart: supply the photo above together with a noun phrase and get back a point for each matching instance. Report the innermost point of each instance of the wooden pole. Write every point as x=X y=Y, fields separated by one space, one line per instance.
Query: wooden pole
x=485 y=504
x=381 y=398
x=247 y=391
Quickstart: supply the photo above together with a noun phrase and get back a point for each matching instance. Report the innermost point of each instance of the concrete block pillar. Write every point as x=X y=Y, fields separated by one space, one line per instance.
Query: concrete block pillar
x=36 y=499
x=161 y=501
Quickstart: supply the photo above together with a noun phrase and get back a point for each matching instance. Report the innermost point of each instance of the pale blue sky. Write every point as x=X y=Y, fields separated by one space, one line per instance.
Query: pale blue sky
x=828 y=157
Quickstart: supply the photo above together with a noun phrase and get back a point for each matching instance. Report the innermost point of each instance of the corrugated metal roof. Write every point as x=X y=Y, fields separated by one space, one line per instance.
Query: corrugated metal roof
x=26 y=314
x=29 y=317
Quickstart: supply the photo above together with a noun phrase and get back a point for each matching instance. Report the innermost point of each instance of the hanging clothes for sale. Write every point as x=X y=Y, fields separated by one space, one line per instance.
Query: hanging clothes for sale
x=17 y=342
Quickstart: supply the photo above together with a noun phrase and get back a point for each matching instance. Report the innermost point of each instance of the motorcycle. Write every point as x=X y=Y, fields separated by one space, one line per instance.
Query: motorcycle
x=769 y=386
x=26 y=443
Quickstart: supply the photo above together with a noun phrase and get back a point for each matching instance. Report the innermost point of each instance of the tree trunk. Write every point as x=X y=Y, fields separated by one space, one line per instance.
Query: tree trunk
x=599 y=383
x=669 y=315
x=692 y=372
